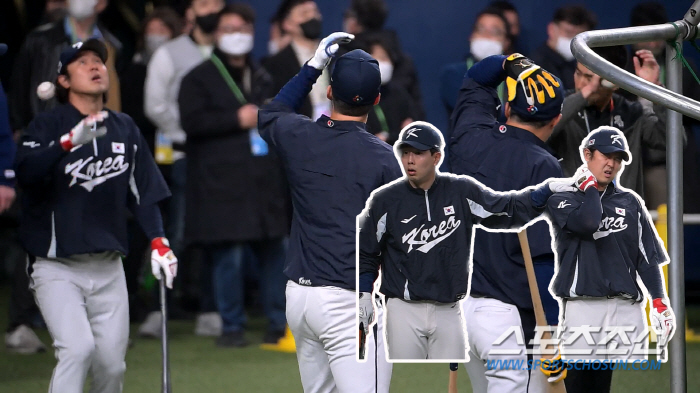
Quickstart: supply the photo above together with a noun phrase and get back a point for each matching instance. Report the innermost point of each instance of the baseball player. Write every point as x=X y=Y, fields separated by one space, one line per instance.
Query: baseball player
x=419 y=230
x=605 y=241
x=332 y=165
x=499 y=297
x=80 y=167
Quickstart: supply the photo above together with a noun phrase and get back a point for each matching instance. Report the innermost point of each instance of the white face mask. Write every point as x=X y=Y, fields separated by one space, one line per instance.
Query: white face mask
x=386 y=69
x=482 y=48
x=81 y=9
x=564 y=48
x=236 y=44
x=153 y=41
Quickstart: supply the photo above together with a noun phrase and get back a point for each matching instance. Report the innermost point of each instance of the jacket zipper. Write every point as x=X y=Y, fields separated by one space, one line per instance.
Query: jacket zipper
x=427 y=205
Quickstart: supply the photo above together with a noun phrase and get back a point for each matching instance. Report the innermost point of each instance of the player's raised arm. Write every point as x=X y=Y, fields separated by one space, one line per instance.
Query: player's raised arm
x=291 y=96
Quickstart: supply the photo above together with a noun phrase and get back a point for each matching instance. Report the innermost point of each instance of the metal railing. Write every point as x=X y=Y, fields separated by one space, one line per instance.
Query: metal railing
x=670 y=97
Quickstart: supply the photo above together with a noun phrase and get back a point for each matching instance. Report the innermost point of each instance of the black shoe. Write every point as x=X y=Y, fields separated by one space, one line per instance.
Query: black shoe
x=273 y=336
x=232 y=339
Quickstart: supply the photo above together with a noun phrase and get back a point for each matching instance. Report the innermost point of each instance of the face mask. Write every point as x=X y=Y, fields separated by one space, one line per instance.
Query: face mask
x=153 y=41
x=482 y=48
x=564 y=48
x=311 y=28
x=386 y=69
x=236 y=44
x=208 y=22
x=81 y=9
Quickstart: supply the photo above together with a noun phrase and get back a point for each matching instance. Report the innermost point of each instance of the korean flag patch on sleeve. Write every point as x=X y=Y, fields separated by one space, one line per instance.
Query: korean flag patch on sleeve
x=118 y=147
x=620 y=211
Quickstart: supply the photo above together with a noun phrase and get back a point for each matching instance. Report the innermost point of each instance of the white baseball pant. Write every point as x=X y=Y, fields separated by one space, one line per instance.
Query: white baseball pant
x=487 y=320
x=419 y=330
x=84 y=302
x=622 y=330
x=323 y=321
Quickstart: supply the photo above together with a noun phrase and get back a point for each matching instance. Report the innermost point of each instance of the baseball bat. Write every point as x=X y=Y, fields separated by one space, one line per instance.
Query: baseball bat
x=452 y=385
x=166 y=387
x=363 y=339
x=540 y=320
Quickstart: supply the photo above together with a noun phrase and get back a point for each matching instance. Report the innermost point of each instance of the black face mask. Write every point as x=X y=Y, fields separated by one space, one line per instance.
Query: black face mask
x=208 y=22
x=311 y=28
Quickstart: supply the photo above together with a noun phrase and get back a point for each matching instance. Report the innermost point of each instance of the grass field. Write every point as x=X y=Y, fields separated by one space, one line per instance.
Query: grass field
x=198 y=366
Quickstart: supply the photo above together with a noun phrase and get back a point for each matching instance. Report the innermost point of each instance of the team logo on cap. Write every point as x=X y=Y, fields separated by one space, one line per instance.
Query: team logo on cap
x=532 y=109
x=591 y=141
x=616 y=139
x=412 y=132
x=357 y=98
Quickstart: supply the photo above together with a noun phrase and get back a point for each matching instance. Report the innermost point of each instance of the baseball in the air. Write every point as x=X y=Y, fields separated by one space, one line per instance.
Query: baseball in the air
x=46 y=90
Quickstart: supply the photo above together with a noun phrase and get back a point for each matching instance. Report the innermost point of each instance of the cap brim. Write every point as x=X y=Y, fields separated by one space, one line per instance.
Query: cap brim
x=417 y=145
x=612 y=149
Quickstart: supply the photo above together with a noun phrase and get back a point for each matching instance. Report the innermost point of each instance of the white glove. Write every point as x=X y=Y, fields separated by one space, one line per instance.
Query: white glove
x=663 y=321
x=366 y=311
x=162 y=257
x=327 y=48
x=85 y=131
x=585 y=180
x=561 y=185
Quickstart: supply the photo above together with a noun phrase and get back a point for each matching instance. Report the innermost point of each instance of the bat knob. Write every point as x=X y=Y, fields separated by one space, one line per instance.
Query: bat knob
x=454 y=366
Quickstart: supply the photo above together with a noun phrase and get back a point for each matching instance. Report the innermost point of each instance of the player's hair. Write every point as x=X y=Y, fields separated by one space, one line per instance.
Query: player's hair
x=62 y=92
x=495 y=12
x=434 y=150
x=370 y=14
x=616 y=54
x=245 y=11
x=346 y=109
x=533 y=123
x=650 y=13
x=576 y=15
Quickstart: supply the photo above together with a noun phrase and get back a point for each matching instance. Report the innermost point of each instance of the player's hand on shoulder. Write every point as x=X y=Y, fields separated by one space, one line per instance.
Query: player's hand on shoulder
x=585 y=180
x=327 y=49
x=163 y=258
x=248 y=116
x=85 y=131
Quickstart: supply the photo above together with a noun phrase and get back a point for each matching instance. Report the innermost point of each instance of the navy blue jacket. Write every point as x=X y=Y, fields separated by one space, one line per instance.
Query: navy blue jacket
x=75 y=202
x=332 y=167
x=7 y=144
x=602 y=256
x=422 y=238
x=502 y=157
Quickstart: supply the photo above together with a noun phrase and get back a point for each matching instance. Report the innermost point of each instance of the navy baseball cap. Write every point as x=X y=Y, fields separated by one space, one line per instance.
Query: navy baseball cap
x=421 y=135
x=606 y=140
x=355 y=79
x=3 y=49
x=72 y=52
x=535 y=110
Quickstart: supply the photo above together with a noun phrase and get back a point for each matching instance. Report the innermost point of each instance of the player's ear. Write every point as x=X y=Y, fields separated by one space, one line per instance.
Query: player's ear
x=506 y=110
x=329 y=93
x=436 y=158
x=376 y=100
x=587 y=154
x=64 y=81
